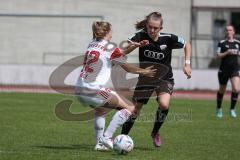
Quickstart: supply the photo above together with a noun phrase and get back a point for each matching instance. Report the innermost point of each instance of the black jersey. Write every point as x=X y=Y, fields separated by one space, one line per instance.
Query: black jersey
x=159 y=51
x=229 y=61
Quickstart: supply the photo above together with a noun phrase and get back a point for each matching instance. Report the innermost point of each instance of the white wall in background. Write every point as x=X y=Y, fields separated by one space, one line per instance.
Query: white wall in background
x=39 y=75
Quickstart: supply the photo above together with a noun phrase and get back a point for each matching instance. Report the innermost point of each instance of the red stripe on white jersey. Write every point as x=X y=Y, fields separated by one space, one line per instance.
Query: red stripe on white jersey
x=116 y=54
x=104 y=94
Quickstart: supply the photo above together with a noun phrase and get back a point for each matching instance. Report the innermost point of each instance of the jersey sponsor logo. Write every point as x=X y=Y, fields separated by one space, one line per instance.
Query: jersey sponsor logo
x=234 y=51
x=181 y=40
x=163 y=47
x=227 y=46
x=152 y=54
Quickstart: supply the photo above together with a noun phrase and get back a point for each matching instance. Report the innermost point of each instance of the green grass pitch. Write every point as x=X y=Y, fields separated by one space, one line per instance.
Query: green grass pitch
x=29 y=129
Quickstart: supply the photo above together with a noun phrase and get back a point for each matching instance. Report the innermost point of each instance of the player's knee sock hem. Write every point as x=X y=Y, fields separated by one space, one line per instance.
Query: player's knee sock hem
x=128 y=125
x=118 y=120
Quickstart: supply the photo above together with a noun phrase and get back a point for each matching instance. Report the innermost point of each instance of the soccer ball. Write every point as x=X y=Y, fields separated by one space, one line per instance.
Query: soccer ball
x=123 y=144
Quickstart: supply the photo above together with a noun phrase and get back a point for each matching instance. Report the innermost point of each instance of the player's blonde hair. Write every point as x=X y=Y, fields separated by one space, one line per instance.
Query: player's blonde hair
x=155 y=15
x=100 y=29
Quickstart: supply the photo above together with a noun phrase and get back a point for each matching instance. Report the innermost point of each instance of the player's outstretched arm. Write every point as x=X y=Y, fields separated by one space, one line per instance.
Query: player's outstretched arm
x=149 y=71
x=187 y=67
x=224 y=54
x=133 y=45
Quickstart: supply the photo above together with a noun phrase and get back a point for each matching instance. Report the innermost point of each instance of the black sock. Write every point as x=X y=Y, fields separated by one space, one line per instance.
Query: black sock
x=160 y=117
x=219 y=100
x=128 y=125
x=234 y=98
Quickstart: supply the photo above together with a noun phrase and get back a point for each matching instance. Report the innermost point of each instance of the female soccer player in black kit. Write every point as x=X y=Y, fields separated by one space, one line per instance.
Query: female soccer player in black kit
x=228 y=51
x=157 y=49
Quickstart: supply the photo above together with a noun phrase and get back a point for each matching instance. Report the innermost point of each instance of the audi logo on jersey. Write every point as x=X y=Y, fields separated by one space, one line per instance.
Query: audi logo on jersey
x=152 y=54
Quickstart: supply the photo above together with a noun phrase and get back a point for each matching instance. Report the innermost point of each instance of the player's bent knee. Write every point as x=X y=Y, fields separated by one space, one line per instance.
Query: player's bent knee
x=131 y=109
x=163 y=106
x=99 y=111
x=235 y=90
x=136 y=113
x=222 y=91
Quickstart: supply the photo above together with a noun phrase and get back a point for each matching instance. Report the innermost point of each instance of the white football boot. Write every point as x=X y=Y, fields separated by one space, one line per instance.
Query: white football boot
x=108 y=142
x=100 y=147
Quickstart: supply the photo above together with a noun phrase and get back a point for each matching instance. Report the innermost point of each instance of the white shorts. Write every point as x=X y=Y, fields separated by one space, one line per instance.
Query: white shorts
x=95 y=98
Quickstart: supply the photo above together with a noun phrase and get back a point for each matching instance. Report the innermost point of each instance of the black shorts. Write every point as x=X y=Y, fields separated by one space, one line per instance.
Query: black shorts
x=225 y=74
x=145 y=88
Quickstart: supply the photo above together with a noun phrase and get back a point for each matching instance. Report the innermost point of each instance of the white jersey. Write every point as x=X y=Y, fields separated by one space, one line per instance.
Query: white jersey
x=96 y=70
x=91 y=85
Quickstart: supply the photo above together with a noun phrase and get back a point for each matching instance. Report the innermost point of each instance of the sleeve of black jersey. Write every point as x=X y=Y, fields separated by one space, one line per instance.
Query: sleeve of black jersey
x=219 y=48
x=136 y=37
x=238 y=46
x=177 y=42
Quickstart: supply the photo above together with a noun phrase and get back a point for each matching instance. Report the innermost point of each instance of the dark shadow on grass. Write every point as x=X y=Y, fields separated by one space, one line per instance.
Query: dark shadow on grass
x=87 y=147
x=83 y=147
x=141 y=149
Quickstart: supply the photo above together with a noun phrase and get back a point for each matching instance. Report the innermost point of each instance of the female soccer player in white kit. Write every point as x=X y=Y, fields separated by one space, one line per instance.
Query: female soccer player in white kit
x=96 y=72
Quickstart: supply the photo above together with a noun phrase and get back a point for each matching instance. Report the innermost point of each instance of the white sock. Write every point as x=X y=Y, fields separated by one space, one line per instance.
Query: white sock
x=118 y=119
x=99 y=125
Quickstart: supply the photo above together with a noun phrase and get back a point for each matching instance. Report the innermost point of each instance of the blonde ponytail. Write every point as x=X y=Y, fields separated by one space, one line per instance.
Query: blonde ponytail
x=100 y=29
